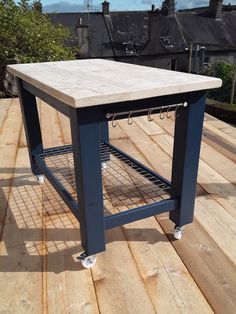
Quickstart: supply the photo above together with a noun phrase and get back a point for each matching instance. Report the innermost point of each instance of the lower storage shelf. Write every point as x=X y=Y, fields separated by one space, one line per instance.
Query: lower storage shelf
x=127 y=184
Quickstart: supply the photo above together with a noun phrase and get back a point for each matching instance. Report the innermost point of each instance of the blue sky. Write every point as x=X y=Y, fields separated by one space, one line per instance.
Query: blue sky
x=133 y=4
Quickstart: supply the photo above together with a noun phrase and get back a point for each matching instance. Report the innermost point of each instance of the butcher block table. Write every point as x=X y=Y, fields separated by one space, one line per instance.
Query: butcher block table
x=91 y=174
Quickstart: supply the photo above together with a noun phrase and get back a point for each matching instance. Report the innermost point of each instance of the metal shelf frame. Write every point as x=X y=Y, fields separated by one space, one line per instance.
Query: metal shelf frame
x=51 y=161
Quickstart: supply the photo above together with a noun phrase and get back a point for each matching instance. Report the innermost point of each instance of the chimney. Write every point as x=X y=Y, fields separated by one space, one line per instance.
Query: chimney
x=105 y=7
x=153 y=8
x=168 y=7
x=37 y=6
x=215 y=8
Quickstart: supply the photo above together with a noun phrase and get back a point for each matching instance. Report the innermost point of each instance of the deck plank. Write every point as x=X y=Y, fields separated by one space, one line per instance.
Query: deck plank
x=69 y=288
x=4 y=107
x=148 y=148
x=217 y=217
x=21 y=245
x=9 y=136
x=160 y=266
x=209 y=266
x=220 y=141
x=149 y=128
x=116 y=132
x=65 y=128
x=223 y=191
x=223 y=165
x=216 y=127
x=222 y=126
x=215 y=159
x=214 y=287
x=219 y=224
x=118 y=283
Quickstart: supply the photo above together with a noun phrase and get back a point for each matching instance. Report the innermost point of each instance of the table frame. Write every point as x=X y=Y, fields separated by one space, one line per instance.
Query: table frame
x=89 y=128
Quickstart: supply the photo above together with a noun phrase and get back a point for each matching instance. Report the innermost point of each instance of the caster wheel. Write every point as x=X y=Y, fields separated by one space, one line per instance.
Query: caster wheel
x=178 y=233
x=88 y=261
x=104 y=165
x=40 y=178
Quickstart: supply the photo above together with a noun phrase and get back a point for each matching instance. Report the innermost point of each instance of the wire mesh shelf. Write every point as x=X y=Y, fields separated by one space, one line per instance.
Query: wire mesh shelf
x=126 y=185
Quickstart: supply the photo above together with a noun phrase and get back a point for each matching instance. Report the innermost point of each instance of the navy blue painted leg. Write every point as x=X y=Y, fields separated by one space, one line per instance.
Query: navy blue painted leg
x=104 y=131
x=31 y=124
x=187 y=141
x=104 y=134
x=87 y=163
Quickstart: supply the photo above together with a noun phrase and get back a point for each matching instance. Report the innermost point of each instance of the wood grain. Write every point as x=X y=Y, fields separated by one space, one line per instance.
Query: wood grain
x=21 y=244
x=10 y=129
x=84 y=83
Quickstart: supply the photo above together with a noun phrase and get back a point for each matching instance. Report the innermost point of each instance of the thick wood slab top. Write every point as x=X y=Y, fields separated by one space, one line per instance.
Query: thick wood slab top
x=84 y=83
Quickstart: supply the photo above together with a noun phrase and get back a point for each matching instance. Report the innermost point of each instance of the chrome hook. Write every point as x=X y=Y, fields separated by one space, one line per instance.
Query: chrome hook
x=167 y=113
x=130 y=121
x=176 y=109
x=149 y=116
x=161 y=111
x=113 y=123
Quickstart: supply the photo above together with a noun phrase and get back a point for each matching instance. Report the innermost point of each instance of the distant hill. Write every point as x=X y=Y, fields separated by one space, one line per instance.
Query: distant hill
x=65 y=7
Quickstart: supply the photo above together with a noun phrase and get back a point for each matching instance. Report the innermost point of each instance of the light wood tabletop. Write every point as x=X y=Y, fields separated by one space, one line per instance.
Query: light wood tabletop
x=84 y=83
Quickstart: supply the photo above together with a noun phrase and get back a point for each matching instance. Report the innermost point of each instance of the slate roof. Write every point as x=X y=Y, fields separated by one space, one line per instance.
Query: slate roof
x=147 y=33
x=122 y=34
x=215 y=34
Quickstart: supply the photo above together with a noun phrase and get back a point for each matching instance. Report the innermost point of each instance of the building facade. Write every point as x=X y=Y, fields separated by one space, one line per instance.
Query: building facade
x=183 y=41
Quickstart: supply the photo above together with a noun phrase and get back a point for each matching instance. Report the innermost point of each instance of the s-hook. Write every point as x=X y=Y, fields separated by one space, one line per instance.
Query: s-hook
x=130 y=121
x=167 y=112
x=113 y=123
x=161 y=113
x=176 y=109
x=149 y=116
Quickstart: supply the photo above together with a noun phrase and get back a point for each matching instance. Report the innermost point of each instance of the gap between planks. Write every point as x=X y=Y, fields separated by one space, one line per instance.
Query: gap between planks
x=137 y=136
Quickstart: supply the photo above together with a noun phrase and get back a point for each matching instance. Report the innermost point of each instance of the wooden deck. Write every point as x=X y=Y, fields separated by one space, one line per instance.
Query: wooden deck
x=143 y=270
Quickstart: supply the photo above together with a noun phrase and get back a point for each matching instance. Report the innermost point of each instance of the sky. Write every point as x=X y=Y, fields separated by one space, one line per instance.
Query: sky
x=78 y=5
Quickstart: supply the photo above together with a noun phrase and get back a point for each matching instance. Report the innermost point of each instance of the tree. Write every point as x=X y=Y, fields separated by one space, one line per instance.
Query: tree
x=28 y=36
x=224 y=71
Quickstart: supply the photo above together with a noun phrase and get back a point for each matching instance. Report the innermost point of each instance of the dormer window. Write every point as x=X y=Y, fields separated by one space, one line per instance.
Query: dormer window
x=166 y=42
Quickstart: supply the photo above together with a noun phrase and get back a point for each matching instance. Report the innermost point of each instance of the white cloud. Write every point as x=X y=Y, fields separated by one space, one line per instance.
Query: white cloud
x=181 y=4
x=80 y=5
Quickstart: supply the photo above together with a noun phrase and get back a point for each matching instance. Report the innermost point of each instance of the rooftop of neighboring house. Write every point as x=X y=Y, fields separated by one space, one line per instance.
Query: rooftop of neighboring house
x=154 y=32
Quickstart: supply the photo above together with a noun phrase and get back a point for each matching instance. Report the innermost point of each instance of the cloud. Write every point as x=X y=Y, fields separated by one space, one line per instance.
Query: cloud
x=181 y=4
x=80 y=6
x=65 y=7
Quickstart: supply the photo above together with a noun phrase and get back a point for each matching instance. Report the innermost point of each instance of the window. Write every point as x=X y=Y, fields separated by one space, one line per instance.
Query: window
x=206 y=60
x=173 y=64
x=166 y=42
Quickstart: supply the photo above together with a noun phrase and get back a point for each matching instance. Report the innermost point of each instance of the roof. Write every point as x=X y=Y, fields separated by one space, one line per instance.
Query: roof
x=213 y=33
x=122 y=34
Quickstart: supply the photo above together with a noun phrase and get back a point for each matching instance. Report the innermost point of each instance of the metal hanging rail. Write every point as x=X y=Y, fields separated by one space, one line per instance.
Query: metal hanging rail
x=149 y=110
